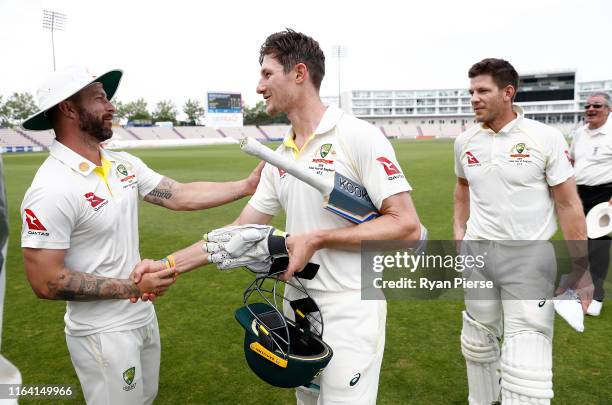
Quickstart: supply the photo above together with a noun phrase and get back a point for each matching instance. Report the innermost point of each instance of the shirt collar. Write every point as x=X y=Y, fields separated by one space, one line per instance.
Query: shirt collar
x=605 y=129
x=329 y=120
x=73 y=160
x=512 y=124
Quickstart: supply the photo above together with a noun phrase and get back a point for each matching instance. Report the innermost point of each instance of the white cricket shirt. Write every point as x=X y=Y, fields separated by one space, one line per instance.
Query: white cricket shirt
x=355 y=149
x=509 y=174
x=591 y=151
x=70 y=207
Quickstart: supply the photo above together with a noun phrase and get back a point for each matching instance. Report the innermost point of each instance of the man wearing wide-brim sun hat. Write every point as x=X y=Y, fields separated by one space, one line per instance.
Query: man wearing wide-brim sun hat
x=80 y=236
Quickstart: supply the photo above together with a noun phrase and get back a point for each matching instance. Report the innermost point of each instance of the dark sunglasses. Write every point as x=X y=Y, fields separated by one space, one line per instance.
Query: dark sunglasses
x=595 y=106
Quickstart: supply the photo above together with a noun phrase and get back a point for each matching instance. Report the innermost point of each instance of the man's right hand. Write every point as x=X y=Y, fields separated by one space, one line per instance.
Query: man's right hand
x=153 y=278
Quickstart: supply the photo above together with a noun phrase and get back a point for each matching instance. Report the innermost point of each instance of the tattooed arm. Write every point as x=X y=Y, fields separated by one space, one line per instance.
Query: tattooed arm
x=50 y=279
x=199 y=195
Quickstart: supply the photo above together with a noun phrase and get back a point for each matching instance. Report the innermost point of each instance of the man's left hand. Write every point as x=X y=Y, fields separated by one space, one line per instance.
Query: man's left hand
x=300 y=248
x=252 y=181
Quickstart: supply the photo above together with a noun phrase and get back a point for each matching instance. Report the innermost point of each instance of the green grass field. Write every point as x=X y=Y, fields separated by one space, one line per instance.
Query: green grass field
x=202 y=356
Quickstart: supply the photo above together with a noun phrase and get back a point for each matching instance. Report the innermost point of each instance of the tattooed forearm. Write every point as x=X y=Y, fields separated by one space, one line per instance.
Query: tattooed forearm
x=164 y=191
x=75 y=286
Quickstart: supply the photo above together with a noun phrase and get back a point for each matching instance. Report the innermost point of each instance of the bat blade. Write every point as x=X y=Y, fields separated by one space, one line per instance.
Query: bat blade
x=350 y=200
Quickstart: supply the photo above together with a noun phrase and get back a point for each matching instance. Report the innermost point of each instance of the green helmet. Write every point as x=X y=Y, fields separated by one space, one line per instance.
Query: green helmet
x=284 y=351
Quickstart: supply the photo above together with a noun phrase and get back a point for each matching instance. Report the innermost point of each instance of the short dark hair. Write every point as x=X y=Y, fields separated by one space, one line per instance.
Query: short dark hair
x=502 y=72
x=290 y=48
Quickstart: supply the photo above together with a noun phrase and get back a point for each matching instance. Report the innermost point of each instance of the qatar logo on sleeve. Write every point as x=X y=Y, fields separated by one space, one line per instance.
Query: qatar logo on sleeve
x=390 y=168
x=35 y=227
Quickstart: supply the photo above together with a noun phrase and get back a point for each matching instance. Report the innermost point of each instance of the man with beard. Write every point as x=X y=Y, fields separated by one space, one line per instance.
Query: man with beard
x=80 y=236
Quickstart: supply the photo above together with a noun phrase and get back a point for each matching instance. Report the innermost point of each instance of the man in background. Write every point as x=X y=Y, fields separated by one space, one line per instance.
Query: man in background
x=513 y=174
x=591 y=152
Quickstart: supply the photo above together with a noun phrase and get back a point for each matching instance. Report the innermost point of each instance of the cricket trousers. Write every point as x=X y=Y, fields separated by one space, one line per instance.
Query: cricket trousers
x=118 y=368
x=599 y=249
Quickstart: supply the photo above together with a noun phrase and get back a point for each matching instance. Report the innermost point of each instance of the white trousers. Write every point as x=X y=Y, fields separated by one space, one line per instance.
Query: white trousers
x=355 y=330
x=118 y=368
x=523 y=275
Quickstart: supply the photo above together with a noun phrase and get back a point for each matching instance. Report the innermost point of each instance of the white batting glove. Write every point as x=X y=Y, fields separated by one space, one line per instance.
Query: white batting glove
x=252 y=246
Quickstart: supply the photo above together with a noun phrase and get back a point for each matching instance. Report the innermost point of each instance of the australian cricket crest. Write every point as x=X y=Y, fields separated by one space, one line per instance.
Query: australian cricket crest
x=126 y=175
x=128 y=377
x=122 y=170
x=519 y=154
x=320 y=164
x=325 y=149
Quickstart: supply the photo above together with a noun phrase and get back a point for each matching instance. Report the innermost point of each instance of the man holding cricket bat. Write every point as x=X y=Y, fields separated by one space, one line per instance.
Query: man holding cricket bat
x=325 y=140
x=328 y=143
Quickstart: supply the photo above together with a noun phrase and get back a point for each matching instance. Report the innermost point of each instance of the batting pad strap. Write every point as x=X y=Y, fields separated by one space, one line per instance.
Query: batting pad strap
x=527 y=368
x=480 y=348
x=478 y=343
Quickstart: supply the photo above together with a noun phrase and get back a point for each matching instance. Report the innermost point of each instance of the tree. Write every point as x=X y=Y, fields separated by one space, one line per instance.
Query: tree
x=258 y=116
x=17 y=108
x=193 y=110
x=137 y=110
x=4 y=116
x=120 y=110
x=165 y=111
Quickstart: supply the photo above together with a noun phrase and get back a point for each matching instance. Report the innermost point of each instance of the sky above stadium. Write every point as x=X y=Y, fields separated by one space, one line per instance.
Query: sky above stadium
x=183 y=48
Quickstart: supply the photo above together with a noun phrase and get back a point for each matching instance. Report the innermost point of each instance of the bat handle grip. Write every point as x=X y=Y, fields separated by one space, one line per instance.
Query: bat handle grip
x=254 y=148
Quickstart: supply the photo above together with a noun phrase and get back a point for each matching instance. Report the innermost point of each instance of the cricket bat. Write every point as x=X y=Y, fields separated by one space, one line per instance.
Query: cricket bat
x=343 y=196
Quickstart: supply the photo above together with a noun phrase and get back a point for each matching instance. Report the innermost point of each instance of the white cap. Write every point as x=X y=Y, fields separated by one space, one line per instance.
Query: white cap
x=63 y=84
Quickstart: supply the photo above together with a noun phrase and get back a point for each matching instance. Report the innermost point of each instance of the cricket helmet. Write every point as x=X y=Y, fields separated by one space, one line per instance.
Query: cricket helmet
x=284 y=351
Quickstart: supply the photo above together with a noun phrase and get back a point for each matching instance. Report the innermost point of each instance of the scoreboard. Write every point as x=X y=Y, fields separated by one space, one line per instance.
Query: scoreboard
x=223 y=109
x=224 y=103
x=546 y=87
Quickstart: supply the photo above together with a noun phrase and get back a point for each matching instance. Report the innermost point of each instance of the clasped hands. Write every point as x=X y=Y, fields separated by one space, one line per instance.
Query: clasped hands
x=252 y=246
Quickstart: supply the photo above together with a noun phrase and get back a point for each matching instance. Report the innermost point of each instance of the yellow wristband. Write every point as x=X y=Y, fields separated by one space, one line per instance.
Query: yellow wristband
x=170 y=263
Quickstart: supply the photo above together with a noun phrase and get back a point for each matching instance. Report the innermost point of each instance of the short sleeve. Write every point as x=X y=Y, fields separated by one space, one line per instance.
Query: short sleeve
x=458 y=165
x=378 y=167
x=265 y=199
x=558 y=165
x=148 y=179
x=48 y=219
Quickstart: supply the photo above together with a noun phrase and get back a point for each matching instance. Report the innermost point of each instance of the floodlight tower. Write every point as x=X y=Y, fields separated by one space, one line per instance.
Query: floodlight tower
x=53 y=21
x=339 y=52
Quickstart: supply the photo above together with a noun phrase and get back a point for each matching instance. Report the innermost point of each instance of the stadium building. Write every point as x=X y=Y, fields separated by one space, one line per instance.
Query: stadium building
x=553 y=98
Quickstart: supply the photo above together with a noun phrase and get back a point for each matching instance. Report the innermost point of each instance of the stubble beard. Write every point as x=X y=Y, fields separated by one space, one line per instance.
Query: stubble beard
x=94 y=126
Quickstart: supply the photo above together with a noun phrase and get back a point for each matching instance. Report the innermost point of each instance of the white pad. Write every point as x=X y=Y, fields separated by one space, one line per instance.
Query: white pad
x=480 y=347
x=526 y=369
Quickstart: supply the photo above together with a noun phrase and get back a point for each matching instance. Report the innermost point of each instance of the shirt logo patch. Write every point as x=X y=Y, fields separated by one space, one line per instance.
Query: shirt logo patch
x=519 y=148
x=389 y=166
x=325 y=149
x=95 y=201
x=122 y=169
x=471 y=158
x=567 y=155
x=34 y=223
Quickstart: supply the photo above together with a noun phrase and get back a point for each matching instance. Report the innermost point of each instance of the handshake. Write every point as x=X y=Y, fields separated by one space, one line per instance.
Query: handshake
x=260 y=248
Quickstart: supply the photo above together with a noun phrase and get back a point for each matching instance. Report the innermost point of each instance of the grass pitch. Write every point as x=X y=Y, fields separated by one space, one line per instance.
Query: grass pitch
x=202 y=355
